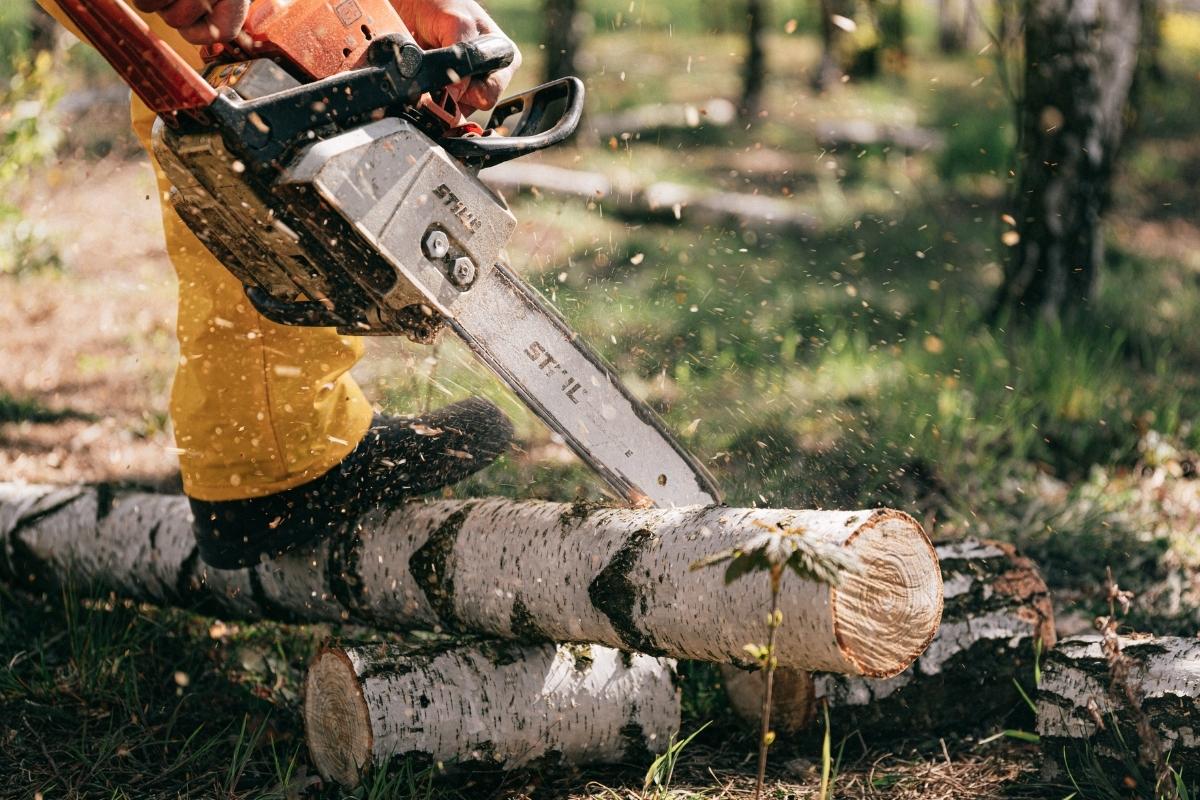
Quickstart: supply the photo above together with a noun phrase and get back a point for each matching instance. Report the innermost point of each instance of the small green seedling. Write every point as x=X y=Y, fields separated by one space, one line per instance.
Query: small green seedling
x=774 y=551
x=662 y=769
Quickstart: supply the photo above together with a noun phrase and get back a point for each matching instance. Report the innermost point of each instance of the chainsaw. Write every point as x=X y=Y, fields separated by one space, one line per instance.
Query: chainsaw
x=323 y=160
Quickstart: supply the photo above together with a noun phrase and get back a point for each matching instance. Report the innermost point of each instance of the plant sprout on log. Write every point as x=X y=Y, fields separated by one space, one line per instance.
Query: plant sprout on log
x=774 y=551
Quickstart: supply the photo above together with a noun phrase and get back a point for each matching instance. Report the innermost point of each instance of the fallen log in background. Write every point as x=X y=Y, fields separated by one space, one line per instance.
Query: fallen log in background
x=836 y=133
x=663 y=200
x=534 y=571
x=631 y=123
x=996 y=606
x=495 y=704
x=1093 y=729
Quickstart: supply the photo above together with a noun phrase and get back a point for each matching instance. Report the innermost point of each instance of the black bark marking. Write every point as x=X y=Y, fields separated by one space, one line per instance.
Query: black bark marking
x=184 y=583
x=501 y=654
x=577 y=512
x=22 y=564
x=267 y=607
x=344 y=580
x=25 y=567
x=524 y=627
x=429 y=566
x=153 y=537
x=105 y=498
x=615 y=596
x=634 y=736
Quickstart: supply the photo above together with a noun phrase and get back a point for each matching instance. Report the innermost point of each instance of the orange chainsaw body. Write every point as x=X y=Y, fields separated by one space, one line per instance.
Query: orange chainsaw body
x=318 y=37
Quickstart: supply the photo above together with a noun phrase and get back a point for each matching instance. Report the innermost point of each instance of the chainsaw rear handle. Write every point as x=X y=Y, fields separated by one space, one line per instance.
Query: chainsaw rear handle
x=539 y=118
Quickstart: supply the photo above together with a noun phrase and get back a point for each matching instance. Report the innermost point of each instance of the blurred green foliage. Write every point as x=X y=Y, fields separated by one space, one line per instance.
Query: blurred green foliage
x=15 y=33
x=29 y=134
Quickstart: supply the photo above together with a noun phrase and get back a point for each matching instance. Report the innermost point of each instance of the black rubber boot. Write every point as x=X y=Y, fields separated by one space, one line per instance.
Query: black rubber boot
x=398 y=458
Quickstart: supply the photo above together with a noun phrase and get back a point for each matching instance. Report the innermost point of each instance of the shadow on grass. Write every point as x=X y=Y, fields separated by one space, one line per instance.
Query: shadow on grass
x=14 y=409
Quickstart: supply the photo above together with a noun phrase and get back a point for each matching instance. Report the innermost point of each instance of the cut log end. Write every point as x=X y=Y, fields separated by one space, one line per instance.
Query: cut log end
x=996 y=607
x=886 y=613
x=336 y=718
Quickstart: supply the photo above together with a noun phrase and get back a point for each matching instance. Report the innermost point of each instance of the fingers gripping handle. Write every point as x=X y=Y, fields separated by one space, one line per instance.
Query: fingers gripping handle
x=478 y=56
x=155 y=72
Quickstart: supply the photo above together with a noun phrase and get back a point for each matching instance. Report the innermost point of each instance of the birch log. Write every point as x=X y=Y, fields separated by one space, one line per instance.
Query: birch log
x=496 y=704
x=534 y=571
x=663 y=201
x=1083 y=721
x=996 y=606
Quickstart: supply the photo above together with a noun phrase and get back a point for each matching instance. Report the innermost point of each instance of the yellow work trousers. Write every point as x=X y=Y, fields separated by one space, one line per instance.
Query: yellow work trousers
x=257 y=407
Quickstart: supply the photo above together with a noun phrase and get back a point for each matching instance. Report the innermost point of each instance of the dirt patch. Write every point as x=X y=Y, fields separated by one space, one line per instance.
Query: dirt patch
x=89 y=350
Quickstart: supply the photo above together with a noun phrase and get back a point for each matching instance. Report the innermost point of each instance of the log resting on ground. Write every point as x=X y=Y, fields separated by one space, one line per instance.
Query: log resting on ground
x=662 y=200
x=496 y=704
x=996 y=606
x=631 y=123
x=533 y=571
x=1076 y=696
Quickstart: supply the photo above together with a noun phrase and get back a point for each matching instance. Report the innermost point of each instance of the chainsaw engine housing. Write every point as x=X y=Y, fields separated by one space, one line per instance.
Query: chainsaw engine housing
x=329 y=214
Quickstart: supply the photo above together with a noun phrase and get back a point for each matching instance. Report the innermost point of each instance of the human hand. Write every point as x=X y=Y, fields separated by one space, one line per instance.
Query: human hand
x=200 y=21
x=440 y=23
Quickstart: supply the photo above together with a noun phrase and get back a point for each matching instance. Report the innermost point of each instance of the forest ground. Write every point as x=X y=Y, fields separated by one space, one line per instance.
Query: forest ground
x=847 y=367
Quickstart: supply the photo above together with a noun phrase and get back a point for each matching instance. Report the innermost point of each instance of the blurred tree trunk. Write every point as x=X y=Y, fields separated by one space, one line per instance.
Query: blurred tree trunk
x=953 y=20
x=754 y=70
x=1150 y=57
x=563 y=38
x=893 y=34
x=829 y=70
x=44 y=32
x=879 y=39
x=1009 y=21
x=1080 y=62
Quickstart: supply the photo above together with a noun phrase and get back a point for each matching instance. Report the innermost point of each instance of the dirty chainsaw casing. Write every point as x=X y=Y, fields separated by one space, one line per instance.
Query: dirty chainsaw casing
x=352 y=200
x=369 y=197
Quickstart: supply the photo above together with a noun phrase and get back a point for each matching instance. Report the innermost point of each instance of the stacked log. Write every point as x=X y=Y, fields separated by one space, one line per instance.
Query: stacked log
x=531 y=571
x=500 y=705
x=996 y=607
x=1094 y=728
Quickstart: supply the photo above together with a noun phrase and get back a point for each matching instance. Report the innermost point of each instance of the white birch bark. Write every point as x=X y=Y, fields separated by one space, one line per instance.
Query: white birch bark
x=499 y=705
x=1082 y=720
x=996 y=606
x=522 y=570
x=659 y=200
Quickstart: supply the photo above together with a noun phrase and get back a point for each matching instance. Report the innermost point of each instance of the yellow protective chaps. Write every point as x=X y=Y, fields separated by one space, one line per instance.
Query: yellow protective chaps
x=257 y=407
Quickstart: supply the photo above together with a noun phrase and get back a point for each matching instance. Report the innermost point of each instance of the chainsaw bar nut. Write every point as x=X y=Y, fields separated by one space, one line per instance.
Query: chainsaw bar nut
x=462 y=274
x=436 y=244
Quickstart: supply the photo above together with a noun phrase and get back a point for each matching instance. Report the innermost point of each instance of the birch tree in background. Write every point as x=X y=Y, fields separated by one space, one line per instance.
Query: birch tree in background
x=754 y=69
x=1080 y=61
x=563 y=37
x=954 y=25
x=829 y=71
x=888 y=18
